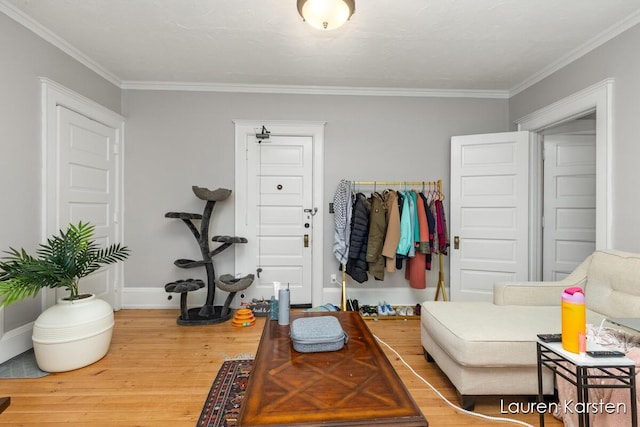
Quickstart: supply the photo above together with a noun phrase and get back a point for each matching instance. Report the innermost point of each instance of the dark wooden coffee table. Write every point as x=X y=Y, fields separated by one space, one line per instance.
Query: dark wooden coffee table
x=4 y=403
x=355 y=386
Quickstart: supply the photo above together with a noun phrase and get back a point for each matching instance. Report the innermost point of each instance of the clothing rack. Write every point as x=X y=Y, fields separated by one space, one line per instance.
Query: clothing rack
x=438 y=185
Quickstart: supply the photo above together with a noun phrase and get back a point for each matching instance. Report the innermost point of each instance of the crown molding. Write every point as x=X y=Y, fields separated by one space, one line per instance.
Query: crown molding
x=49 y=36
x=40 y=30
x=580 y=51
x=312 y=90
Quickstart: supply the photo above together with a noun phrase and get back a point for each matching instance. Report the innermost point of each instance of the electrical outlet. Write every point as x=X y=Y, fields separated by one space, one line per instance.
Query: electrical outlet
x=334 y=278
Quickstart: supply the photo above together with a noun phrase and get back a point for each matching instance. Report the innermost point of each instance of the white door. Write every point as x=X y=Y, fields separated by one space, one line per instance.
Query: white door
x=569 y=233
x=278 y=218
x=87 y=189
x=489 y=212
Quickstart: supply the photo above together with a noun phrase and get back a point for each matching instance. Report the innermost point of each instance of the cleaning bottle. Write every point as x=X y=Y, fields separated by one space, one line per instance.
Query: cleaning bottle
x=574 y=322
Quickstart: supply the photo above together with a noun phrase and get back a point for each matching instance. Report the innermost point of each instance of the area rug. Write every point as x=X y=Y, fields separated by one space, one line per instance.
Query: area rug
x=22 y=366
x=222 y=407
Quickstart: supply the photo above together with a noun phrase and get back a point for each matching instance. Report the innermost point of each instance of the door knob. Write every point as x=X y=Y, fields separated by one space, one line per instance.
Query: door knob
x=306 y=240
x=456 y=242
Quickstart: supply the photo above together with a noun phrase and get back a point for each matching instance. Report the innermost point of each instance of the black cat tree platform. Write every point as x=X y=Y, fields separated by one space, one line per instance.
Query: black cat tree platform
x=209 y=313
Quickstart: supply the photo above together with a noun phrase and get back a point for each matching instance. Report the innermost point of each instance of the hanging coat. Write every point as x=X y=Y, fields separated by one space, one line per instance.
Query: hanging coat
x=399 y=256
x=415 y=272
x=392 y=237
x=443 y=236
x=377 y=231
x=412 y=222
x=342 y=208
x=422 y=245
x=416 y=224
x=432 y=225
x=357 y=262
x=404 y=244
x=436 y=228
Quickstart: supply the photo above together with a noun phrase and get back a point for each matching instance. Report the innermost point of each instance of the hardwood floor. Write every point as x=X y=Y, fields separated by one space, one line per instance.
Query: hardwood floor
x=158 y=374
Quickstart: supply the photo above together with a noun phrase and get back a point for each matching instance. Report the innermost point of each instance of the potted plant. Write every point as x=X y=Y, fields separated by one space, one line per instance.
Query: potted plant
x=76 y=331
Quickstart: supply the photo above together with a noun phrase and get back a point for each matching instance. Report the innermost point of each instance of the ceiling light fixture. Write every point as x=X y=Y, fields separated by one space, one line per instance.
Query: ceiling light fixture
x=326 y=14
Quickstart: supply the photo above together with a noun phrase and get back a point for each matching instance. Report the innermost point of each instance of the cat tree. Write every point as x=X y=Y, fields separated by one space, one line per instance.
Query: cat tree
x=207 y=314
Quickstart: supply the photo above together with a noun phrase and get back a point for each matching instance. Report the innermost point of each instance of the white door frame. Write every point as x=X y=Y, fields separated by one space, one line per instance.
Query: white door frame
x=53 y=95
x=244 y=128
x=598 y=98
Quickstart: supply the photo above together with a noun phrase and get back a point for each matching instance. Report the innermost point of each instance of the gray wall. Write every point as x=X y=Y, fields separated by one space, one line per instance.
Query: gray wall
x=179 y=139
x=618 y=59
x=25 y=58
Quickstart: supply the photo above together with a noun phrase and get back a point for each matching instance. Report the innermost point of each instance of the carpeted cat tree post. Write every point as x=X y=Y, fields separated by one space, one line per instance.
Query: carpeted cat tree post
x=208 y=313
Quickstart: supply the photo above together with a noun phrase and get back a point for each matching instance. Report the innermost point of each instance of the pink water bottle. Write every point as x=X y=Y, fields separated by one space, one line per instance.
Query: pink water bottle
x=574 y=320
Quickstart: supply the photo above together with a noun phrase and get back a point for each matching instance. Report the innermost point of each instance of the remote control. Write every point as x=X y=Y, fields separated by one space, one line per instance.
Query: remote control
x=550 y=337
x=605 y=353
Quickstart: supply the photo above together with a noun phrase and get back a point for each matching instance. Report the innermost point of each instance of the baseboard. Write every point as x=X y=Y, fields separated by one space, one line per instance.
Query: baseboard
x=154 y=298
x=157 y=298
x=393 y=296
x=16 y=341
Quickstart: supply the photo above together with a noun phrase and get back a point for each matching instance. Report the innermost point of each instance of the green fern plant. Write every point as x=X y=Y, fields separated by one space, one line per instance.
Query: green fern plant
x=59 y=263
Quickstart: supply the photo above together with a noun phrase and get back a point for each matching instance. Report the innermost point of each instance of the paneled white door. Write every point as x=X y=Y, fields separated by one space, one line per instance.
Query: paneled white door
x=569 y=233
x=489 y=212
x=278 y=220
x=86 y=186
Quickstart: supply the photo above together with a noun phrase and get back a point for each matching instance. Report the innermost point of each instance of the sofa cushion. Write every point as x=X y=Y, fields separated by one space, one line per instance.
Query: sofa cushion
x=482 y=334
x=613 y=284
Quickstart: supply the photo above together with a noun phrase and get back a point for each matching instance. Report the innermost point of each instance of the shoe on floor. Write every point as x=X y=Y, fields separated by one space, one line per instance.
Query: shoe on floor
x=349 y=305
x=389 y=309
x=382 y=310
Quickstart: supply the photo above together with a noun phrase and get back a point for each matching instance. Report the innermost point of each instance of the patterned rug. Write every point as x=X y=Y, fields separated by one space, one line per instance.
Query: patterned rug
x=222 y=407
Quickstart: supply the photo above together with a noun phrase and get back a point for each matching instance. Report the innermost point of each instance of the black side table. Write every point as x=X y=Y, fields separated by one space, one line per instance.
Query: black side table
x=581 y=370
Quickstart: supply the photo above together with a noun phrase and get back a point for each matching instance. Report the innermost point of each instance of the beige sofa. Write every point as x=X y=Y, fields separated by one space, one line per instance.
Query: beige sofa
x=489 y=348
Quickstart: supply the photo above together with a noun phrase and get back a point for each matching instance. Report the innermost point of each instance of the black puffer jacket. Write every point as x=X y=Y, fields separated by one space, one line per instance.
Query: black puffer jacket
x=357 y=262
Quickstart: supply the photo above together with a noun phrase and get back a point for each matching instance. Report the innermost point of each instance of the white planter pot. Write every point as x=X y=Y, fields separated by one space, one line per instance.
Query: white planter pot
x=72 y=334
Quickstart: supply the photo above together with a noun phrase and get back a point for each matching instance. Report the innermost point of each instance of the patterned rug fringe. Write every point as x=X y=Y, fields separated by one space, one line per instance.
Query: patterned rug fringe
x=240 y=356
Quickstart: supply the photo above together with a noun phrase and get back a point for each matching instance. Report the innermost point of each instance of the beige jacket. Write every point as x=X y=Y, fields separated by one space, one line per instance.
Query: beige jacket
x=392 y=237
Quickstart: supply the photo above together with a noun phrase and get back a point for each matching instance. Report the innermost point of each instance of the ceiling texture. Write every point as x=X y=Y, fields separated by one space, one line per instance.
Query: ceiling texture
x=491 y=47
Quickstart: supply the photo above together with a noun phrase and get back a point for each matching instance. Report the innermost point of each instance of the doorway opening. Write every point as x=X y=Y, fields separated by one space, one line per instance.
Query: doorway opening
x=568 y=198
x=596 y=101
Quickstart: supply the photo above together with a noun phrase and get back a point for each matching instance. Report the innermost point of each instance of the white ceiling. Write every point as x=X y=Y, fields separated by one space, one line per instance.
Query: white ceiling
x=492 y=46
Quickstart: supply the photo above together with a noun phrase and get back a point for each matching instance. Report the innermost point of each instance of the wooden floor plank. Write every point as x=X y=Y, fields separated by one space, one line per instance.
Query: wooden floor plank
x=159 y=373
